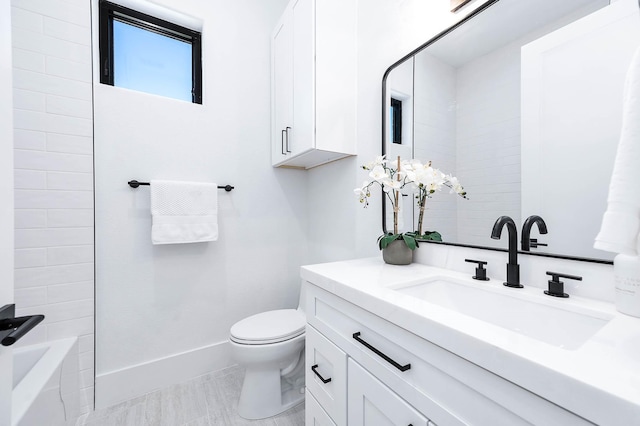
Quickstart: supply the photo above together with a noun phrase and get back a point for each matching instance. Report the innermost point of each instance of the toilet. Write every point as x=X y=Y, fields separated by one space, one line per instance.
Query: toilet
x=270 y=345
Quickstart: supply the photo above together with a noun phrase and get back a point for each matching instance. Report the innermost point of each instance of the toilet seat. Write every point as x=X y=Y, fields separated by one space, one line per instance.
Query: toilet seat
x=268 y=327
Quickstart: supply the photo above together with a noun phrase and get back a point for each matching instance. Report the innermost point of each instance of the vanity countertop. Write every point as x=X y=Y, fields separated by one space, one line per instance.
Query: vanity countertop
x=599 y=380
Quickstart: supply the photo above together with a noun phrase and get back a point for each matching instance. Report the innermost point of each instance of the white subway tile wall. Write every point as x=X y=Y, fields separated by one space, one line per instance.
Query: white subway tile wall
x=53 y=148
x=488 y=149
x=435 y=136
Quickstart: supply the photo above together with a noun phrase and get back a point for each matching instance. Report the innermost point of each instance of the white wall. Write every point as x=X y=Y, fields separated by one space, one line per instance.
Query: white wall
x=6 y=194
x=6 y=157
x=53 y=173
x=164 y=312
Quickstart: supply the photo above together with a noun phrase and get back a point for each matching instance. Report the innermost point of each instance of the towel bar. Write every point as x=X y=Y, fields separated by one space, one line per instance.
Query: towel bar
x=135 y=184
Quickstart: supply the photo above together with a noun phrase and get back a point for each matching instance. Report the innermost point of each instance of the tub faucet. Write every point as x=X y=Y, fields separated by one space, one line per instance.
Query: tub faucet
x=12 y=328
x=513 y=269
x=527 y=242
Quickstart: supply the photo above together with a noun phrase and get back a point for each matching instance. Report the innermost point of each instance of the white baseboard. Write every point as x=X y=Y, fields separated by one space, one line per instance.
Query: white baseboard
x=121 y=385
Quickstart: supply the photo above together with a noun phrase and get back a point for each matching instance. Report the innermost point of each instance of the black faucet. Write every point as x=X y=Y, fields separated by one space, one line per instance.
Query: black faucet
x=527 y=242
x=513 y=269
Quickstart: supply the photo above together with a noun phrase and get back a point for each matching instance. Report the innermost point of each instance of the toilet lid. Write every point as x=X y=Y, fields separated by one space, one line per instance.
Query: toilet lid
x=269 y=326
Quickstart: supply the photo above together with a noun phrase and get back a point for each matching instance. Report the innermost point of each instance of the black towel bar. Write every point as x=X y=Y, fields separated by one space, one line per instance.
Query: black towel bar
x=135 y=184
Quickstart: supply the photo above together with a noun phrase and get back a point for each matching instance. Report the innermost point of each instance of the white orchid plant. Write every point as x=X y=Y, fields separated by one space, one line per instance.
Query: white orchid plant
x=422 y=179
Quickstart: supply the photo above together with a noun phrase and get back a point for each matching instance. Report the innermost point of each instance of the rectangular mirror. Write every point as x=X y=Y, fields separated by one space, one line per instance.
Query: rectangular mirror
x=522 y=101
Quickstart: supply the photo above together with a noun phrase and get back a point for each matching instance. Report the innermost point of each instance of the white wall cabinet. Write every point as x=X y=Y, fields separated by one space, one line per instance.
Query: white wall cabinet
x=395 y=377
x=313 y=83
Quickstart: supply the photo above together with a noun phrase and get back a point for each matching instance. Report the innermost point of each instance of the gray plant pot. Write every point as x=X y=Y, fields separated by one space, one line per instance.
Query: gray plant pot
x=397 y=253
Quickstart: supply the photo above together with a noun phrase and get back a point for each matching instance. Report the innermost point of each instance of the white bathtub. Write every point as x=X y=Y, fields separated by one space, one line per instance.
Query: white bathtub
x=46 y=387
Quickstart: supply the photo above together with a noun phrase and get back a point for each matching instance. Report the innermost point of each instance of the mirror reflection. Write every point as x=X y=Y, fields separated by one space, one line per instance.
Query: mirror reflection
x=523 y=103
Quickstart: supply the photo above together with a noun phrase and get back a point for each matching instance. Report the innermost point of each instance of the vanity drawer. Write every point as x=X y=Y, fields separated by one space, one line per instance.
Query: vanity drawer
x=326 y=375
x=446 y=388
x=314 y=415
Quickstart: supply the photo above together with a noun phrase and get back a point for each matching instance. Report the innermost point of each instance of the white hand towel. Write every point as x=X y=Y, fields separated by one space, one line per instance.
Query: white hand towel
x=183 y=212
x=621 y=221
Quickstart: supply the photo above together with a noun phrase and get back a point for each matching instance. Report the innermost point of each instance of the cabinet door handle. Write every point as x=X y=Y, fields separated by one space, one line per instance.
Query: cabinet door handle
x=287 y=132
x=380 y=354
x=314 y=368
x=282 y=132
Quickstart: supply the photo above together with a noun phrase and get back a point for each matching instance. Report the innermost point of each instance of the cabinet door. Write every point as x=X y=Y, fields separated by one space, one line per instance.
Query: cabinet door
x=372 y=403
x=282 y=88
x=326 y=377
x=314 y=415
x=304 y=81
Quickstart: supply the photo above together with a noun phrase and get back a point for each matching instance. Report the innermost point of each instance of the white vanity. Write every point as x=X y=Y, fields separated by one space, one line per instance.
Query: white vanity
x=420 y=345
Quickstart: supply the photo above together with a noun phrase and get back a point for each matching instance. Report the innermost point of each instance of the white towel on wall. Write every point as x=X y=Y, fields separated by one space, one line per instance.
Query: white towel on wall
x=183 y=212
x=621 y=221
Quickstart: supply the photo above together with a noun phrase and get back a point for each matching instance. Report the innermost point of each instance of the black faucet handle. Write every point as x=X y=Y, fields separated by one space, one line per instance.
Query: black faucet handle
x=556 y=287
x=535 y=243
x=481 y=273
x=555 y=276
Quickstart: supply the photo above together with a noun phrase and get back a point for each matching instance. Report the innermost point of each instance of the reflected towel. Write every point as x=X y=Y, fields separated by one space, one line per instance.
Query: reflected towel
x=621 y=221
x=183 y=212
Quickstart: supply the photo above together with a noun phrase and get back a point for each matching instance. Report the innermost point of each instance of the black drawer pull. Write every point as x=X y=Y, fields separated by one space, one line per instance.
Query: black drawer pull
x=314 y=368
x=380 y=354
x=282 y=141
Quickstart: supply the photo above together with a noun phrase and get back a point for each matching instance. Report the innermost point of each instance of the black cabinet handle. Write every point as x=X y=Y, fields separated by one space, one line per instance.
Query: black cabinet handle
x=314 y=368
x=380 y=354
x=282 y=132
x=287 y=133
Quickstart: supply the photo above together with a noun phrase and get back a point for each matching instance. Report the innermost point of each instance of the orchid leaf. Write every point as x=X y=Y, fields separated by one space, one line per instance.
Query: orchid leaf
x=431 y=236
x=410 y=241
x=385 y=240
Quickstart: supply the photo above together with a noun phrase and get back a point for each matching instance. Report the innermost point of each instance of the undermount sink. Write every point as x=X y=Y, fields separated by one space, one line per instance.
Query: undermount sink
x=564 y=328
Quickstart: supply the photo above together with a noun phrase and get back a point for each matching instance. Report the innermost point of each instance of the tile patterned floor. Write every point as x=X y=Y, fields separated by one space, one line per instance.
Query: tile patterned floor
x=209 y=400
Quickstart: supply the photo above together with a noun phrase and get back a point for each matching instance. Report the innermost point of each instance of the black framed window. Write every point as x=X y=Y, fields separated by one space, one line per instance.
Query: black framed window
x=395 y=119
x=148 y=54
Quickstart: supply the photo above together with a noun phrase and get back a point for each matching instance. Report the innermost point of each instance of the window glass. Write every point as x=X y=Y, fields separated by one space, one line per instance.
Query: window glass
x=151 y=62
x=395 y=121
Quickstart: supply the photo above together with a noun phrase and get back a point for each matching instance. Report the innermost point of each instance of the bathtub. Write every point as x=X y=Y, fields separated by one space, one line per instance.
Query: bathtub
x=46 y=387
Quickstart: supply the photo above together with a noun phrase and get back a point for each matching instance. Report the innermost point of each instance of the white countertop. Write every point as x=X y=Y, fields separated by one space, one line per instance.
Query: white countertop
x=600 y=380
